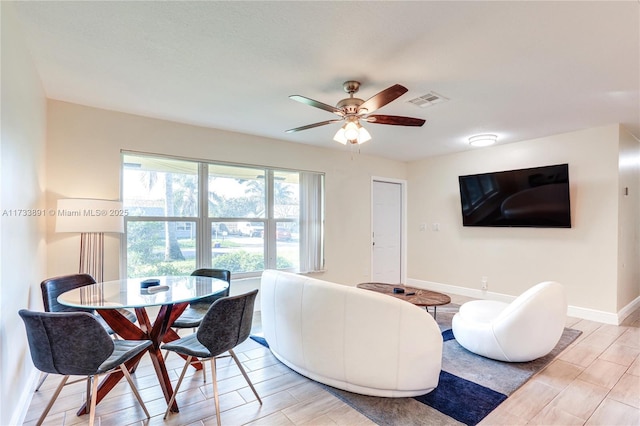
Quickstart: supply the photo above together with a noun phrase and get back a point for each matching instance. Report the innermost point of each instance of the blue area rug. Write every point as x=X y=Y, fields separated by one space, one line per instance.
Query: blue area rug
x=260 y=340
x=447 y=335
x=470 y=386
x=461 y=399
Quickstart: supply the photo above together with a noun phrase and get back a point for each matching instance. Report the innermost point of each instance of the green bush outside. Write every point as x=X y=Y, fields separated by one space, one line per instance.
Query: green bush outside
x=237 y=261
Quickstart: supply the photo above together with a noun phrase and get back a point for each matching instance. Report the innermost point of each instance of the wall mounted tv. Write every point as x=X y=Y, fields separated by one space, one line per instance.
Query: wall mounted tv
x=535 y=197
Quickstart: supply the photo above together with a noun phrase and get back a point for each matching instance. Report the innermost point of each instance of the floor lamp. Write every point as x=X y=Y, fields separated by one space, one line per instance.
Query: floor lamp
x=92 y=219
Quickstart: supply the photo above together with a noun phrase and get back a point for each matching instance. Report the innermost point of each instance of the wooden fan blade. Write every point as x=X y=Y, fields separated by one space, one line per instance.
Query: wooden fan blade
x=381 y=99
x=311 y=126
x=395 y=120
x=317 y=104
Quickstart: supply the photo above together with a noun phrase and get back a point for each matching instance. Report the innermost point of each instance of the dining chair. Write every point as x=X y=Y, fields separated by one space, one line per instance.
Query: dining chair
x=51 y=288
x=226 y=324
x=74 y=343
x=194 y=313
x=191 y=317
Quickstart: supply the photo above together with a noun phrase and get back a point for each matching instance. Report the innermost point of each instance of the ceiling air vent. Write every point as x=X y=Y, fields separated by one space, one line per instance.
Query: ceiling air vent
x=429 y=99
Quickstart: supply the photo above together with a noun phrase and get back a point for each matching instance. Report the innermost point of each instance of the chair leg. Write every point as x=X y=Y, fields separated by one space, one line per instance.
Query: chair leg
x=244 y=373
x=43 y=377
x=214 y=379
x=204 y=371
x=88 y=405
x=94 y=398
x=134 y=388
x=175 y=390
x=52 y=400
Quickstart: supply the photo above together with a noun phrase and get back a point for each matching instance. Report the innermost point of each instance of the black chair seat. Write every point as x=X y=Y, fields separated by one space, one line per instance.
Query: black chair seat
x=127 y=314
x=189 y=345
x=123 y=350
x=192 y=316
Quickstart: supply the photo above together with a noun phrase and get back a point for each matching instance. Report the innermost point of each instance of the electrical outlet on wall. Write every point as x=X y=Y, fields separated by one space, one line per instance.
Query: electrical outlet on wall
x=484 y=283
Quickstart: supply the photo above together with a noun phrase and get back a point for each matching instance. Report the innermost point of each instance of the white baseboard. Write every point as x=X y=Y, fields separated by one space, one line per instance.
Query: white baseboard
x=21 y=409
x=461 y=291
x=627 y=310
x=572 y=311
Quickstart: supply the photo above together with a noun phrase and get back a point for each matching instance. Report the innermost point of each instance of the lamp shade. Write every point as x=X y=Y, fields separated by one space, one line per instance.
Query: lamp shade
x=351 y=131
x=339 y=137
x=85 y=215
x=363 y=135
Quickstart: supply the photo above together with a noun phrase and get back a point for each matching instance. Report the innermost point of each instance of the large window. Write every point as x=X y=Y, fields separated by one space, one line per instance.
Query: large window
x=187 y=214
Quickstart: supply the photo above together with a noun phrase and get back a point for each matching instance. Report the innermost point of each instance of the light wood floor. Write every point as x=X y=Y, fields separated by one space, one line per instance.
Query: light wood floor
x=595 y=381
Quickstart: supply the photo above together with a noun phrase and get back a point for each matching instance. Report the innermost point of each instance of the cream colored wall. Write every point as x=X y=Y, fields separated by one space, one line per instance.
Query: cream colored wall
x=83 y=160
x=22 y=239
x=583 y=258
x=629 y=220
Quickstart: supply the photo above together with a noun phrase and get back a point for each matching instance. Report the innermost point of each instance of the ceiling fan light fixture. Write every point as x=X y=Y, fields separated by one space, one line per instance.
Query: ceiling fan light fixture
x=483 y=140
x=339 y=137
x=352 y=130
x=363 y=135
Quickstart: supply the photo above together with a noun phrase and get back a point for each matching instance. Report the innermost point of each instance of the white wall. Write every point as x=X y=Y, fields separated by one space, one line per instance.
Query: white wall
x=83 y=160
x=583 y=258
x=629 y=220
x=22 y=239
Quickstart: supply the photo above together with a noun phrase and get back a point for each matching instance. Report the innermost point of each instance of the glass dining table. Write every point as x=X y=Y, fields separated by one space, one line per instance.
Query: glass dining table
x=172 y=294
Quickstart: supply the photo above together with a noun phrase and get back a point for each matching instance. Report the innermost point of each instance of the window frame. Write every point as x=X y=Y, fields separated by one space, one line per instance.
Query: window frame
x=203 y=222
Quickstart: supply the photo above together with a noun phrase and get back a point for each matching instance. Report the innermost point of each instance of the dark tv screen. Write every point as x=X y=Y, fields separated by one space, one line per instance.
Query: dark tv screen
x=535 y=197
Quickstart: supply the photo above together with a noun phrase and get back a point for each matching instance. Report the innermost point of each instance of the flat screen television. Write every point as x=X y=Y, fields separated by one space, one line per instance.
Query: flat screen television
x=534 y=197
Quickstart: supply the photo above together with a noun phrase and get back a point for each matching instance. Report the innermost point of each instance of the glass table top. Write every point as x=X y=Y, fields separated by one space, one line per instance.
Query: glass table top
x=128 y=293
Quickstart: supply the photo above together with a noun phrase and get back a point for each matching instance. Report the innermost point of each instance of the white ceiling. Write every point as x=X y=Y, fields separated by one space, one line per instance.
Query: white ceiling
x=521 y=70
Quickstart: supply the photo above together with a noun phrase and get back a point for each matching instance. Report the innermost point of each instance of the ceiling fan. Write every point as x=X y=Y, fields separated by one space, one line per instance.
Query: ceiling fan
x=351 y=110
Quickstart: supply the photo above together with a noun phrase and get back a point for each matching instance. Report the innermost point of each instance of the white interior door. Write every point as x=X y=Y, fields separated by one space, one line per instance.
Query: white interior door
x=386 y=259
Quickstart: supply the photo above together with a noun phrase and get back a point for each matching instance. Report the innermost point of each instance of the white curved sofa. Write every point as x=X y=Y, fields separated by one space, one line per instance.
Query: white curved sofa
x=352 y=339
x=520 y=331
